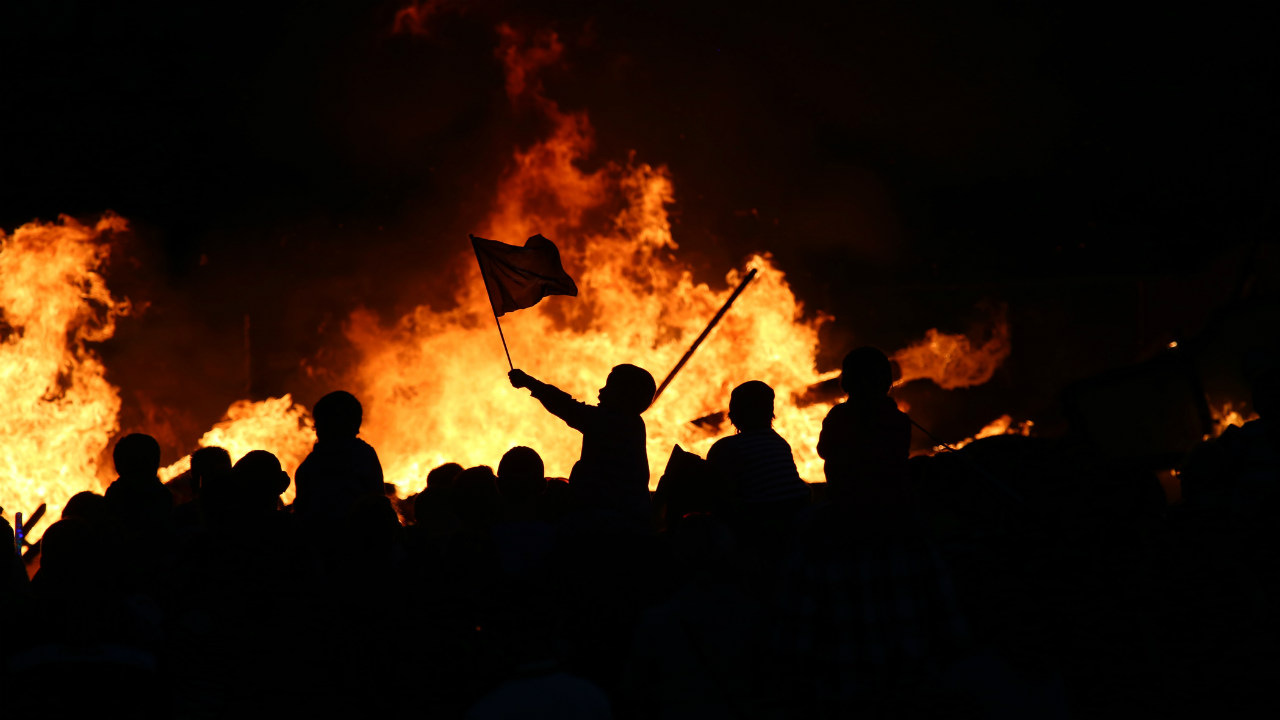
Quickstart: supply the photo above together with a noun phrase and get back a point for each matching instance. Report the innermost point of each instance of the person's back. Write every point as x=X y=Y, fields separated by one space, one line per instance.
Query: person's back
x=756 y=464
x=137 y=498
x=342 y=468
x=866 y=442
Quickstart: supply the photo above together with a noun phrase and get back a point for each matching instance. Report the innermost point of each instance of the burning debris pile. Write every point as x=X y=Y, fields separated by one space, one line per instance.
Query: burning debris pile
x=433 y=382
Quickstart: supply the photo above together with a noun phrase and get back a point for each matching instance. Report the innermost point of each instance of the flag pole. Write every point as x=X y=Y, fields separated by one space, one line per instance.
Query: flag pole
x=487 y=289
x=504 y=342
x=741 y=286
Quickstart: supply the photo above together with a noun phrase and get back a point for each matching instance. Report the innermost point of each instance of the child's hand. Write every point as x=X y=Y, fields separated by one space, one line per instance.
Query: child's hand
x=519 y=378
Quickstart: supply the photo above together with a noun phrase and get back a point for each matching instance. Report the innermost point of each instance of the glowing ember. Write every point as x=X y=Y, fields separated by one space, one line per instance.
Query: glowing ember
x=1226 y=414
x=59 y=411
x=277 y=425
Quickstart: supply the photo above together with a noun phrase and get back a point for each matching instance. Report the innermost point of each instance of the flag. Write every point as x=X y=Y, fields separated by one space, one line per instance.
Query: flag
x=518 y=277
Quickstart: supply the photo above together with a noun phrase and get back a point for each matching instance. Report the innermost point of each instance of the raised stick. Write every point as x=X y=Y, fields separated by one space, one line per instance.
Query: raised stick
x=738 y=291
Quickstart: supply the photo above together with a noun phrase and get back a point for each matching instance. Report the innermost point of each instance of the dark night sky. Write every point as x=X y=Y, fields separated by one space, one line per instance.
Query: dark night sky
x=904 y=160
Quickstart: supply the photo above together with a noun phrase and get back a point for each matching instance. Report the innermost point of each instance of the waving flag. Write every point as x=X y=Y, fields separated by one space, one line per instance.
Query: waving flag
x=518 y=277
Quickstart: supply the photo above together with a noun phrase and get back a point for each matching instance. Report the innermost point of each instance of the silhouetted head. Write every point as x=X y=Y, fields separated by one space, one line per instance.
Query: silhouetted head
x=74 y=550
x=259 y=478
x=521 y=477
x=866 y=372
x=433 y=509
x=443 y=477
x=554 y=502
x=337 y=415
x=751 y=406
x=86 y=506
x=209 y=462
x=476 y=497
x=137 y=455
x=629 y=389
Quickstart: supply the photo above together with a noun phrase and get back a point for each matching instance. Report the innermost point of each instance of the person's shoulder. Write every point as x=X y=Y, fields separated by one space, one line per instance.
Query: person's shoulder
x=723 y=445
x=840 y=411
x=775 y=437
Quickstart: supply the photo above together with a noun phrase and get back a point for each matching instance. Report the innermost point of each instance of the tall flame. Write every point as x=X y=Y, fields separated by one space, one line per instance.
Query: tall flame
x=59 y=410
x=434 y=383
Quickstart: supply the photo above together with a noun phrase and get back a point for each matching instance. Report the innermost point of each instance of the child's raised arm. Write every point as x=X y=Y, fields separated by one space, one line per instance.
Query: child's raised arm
x=576 y=415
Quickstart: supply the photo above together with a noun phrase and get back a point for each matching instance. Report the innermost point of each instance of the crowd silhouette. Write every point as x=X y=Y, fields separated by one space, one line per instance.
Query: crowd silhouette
x=901 y=588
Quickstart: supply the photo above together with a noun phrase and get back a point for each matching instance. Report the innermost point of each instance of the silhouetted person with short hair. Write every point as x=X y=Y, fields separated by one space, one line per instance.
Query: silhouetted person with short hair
x=756 y=464
x=209 y=479
x=87 y=506
x=137 y=498
x=901 y=621
x=208 y=464
x=520 y=478
x=444 y=476
x=477 y=499
x=611 y=478
x=866 y=442
x=553 y=503
x=524 y=540
x=342 y=468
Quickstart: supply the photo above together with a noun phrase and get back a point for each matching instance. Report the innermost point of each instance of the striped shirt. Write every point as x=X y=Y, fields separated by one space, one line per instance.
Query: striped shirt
x=759 y=466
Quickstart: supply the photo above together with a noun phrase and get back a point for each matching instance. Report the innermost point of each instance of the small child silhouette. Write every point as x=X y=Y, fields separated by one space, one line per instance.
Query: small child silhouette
x=341 y=469
x=612 y=476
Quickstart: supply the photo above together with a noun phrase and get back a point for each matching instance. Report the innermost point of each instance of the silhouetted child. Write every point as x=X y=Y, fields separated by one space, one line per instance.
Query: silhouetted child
x=138 y=500
x=209 y=480
x=342 y=468
x=866 y=442
x=756 y=464
x=612 y=476
x=756 y=470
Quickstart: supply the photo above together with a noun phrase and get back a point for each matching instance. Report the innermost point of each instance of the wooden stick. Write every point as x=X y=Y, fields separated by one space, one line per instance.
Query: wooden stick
x=738 y=291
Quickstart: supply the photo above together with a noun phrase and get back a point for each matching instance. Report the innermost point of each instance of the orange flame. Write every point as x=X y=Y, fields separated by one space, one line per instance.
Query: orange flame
x=1003 y=425
x=1227 y=414
x=954 y=361
x=59 y=411
x=434 y=383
